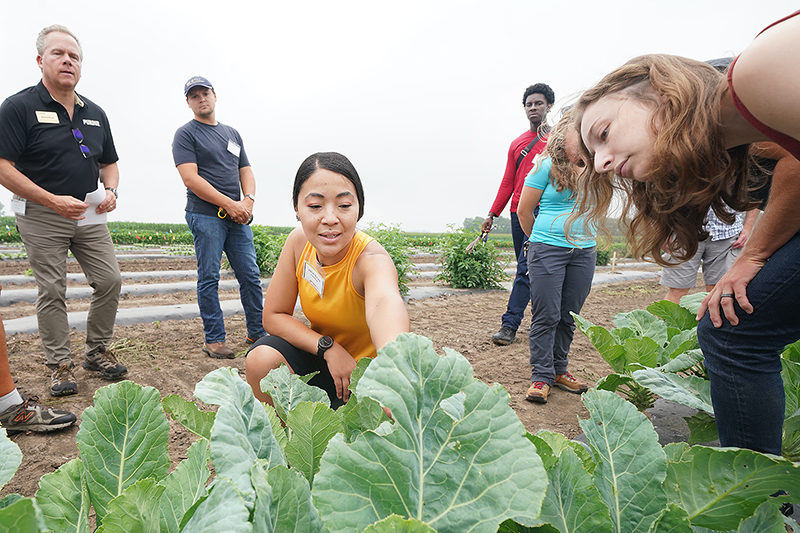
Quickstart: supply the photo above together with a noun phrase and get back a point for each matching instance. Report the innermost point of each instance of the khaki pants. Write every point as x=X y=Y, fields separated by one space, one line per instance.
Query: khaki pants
x=48 y=237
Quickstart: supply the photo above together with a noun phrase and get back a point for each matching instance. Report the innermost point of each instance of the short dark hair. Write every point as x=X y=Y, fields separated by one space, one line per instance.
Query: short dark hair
x=541 y=88
x=335 y=162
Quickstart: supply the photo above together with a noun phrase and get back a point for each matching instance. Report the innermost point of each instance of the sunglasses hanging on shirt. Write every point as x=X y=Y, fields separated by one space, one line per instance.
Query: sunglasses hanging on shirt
x=79 y=137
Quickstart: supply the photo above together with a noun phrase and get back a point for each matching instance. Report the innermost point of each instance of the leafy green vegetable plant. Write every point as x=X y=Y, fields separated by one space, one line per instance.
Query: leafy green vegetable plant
x=640 y=340
x=627 y=482
x=478 y=269
x=453 y=457
x=654 y=352
x=453 y=444
x=392 y=239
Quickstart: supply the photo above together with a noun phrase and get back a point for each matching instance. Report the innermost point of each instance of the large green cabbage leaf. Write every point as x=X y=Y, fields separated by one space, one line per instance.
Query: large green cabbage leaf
x=605 y=343
x=122 y=439
x=673 y=314
x=767 y=519
x=455 y=458
x=64 y=499
x=223 y=510
x=672 y=519
x=186 y=412
x=10 y=458
x=790 y=373
x=718 y=487
x=283 y=502
x=242 y=430
x=691 y=391
x=22 y=516
x=184 y=486
x=631 y=464
x=573 y=503
x=645 y=324
x=313 y=425
x=287 y=390
x=136 y=509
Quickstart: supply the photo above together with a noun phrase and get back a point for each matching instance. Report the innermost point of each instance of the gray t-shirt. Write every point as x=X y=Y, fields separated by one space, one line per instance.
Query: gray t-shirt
x=218 y=152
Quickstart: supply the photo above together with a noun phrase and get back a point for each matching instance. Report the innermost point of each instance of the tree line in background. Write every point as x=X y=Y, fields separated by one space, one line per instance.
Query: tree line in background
x=501 y=224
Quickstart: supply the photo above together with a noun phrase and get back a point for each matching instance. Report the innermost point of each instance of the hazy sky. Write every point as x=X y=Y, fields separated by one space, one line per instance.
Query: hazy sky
x=423 y=97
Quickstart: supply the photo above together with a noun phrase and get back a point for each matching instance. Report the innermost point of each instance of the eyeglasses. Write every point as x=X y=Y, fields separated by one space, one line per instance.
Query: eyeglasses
x=79 y=137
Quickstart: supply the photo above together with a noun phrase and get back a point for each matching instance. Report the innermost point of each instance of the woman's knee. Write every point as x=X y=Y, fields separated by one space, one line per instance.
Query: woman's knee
x=259 y=362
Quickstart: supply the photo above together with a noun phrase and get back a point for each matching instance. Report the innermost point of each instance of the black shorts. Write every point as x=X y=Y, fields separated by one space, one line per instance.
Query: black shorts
x=303 y=363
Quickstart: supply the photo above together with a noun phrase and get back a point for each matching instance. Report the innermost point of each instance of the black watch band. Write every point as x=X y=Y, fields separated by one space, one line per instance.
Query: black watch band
x=323 y=345
x=113 y=190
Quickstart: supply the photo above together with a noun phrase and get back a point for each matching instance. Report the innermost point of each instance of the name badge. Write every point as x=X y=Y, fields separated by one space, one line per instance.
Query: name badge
x=312 y=275
x=234 y=148
x=47 y=117
x=18 y=205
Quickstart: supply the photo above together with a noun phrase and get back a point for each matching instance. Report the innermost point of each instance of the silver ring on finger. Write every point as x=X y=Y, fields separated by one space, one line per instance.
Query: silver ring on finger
x=726 y=295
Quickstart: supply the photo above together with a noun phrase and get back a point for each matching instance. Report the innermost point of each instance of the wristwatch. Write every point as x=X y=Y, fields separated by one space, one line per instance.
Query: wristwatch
x=112 y=189
x=251 y=197
x=323 y=345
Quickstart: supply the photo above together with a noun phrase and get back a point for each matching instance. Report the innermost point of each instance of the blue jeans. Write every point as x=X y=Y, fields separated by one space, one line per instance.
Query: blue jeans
x=521 y=288
x=743 y=361
x=561 y=279
x=212 y=236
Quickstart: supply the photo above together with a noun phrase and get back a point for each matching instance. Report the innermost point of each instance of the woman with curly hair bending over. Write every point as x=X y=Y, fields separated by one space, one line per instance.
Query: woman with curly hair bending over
x=677 y=137
x=561 y=261
x=346 y=282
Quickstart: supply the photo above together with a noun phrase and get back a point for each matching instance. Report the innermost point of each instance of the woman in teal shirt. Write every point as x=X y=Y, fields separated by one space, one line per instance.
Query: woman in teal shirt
x=561 y=261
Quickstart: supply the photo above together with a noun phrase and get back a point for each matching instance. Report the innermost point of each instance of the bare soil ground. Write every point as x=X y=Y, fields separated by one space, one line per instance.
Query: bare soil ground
x=167 y=355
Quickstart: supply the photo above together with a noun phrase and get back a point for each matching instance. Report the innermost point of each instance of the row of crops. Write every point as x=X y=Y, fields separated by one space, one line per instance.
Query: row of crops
x=453 y=458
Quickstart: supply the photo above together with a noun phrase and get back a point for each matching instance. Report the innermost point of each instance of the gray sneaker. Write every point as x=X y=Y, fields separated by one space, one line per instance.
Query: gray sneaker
x=62 y=381
x=504 y=337
x=106 y=363
x=30 y=415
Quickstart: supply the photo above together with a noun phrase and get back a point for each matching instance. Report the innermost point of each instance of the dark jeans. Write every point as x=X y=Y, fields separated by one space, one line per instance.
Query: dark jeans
x=743 y=361
x=521 y=288
x=561 y=279
x=212 y=236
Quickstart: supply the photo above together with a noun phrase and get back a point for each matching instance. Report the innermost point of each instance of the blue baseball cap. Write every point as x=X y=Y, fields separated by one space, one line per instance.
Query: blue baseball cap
x=196 y=81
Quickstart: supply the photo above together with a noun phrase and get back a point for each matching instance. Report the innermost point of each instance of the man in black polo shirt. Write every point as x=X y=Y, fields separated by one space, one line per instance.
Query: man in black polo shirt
x=54 y=146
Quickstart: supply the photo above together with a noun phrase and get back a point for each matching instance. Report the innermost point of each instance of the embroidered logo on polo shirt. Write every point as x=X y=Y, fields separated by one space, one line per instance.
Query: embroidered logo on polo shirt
x=90 y=122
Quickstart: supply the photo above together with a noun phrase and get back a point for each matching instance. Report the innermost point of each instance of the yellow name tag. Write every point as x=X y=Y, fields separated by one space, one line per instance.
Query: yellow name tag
x=47 y=117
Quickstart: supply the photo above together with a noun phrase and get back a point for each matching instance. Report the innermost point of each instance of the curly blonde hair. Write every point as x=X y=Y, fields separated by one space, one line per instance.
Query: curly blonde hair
x=691 y=168
x=563 y=174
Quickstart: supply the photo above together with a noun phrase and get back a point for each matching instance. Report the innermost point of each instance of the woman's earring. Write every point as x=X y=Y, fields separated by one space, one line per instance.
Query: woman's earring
x=297 y=217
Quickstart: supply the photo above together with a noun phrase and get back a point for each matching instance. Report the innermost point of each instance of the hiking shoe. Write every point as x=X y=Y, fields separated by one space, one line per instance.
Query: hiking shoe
x=504 y=337
x=30 y=415
x=62 y=381
x=106 y=363
x=567 y=382
x=250 y=341
x=218 y=350
x=538 y=392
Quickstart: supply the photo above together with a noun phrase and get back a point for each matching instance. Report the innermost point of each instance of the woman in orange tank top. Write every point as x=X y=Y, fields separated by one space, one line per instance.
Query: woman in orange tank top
x=346 y=282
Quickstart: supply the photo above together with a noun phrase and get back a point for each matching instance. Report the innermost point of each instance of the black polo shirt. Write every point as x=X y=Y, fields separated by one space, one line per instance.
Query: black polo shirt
x=36 y=134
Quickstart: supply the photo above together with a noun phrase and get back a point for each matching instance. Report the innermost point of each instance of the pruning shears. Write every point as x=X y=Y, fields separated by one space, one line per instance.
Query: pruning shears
x=483 y=237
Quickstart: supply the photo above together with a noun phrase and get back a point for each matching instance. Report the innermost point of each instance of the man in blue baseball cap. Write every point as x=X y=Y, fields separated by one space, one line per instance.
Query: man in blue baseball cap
x=220 y=195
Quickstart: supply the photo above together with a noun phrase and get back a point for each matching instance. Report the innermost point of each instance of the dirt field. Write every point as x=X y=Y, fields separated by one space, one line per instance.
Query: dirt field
x=167 y=355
